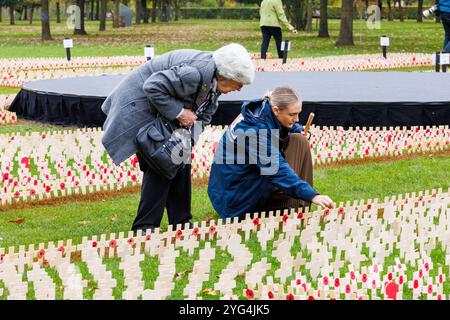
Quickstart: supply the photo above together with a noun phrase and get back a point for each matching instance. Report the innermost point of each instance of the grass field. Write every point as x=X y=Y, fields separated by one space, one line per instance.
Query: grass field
x=23 y=40
x=79 y=218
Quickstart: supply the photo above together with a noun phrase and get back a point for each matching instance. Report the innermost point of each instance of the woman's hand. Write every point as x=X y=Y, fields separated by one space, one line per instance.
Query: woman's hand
x=187 y=118
x=323 y=201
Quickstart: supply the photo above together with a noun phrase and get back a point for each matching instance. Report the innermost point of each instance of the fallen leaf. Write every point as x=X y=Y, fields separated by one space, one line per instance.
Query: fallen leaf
x=210 y=292
x=84 y=222
x=182 y=273
x=18 y=221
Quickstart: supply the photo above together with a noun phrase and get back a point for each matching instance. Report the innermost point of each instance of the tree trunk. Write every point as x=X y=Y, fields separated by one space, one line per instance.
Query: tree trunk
x=58 y=13
x=32 y=13
x=346 y=28
x=154 y=8
x=45 y=21
x=91 y=12
x=81 y=31
x=116 y=14
x=400 y=10
x=138 y=11
x=419 y=11
x=323 y=25
x=1 y=15
x=144 y=10
x=309 y=16
x=165 y=11
x=380 y=5
x=97 y=10
x=390 y=16
x=25 y=13
x=11 y=15
x=177 y=9
x=103 y=16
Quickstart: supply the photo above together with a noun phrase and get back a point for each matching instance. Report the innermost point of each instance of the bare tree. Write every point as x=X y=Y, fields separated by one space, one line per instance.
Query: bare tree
x=323 y=26
x=346 y=28
x=116 y=14
x=103 y=16
x=419 y=11
x=138 y=11
x=45 y=20
x=81 y=31
x=309 y=16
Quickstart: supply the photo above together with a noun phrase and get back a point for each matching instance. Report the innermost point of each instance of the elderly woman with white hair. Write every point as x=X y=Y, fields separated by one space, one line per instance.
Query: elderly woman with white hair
x=175 y=85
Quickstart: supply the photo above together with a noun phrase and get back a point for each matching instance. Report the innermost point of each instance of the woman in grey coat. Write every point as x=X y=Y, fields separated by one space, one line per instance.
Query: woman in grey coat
x=173 y=85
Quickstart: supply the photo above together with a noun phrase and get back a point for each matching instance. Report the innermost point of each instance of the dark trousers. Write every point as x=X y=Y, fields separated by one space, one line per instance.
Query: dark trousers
x=158 y=193
x=445 y=18
x=267 y=33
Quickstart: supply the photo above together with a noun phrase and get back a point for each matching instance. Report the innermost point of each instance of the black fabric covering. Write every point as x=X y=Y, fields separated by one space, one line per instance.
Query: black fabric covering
x=59 y=109
x=337 y=98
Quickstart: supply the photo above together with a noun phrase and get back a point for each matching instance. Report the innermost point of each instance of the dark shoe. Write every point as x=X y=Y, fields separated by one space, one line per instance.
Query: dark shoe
x=143 y=230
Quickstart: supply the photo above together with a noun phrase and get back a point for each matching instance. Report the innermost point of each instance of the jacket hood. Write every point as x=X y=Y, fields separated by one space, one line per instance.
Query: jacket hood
x=258 y=112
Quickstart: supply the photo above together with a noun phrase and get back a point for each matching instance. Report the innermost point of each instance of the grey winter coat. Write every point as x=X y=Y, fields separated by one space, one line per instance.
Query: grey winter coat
x=167 y=84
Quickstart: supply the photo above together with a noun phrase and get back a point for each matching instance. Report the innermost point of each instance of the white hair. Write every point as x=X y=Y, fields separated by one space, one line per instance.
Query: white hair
x=233 y=62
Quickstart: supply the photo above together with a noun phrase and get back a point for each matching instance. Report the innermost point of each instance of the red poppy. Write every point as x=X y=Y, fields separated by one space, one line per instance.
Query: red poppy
x=195 y=232
x=369 y=206
x=400 y=280
x=250 y=294
x=179 y=234
x=94 y=244
x=285 y=218
x=48 y=189
x=41 y=254
x=300 y=215
x=325 y=281
x=364 y=277
x=148 y=237
x=337 y=282
x=352 y=275
x=298 y=282
x=290 y=296
x=212 y=230
x=311 y=298
x=347 y=289
x=61 y=249
x=62 y=185
x=427 y=266
x=130 y=241
x=32 y=192
x=341 y=211
x=270 y=295
x=113 y=243
x=256 y=222
x=390 y=276
x=416 y=284
x=326 y=212
x=133 y=178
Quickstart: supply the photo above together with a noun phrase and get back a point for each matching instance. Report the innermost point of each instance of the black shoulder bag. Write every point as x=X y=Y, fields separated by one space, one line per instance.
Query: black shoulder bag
x=165 y=145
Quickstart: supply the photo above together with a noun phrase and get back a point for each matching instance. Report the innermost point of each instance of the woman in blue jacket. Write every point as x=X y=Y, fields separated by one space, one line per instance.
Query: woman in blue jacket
x=263 y=160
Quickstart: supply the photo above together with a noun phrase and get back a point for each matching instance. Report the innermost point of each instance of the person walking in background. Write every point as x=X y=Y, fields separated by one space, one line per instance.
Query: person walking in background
x=444 y=13
x=271 y=17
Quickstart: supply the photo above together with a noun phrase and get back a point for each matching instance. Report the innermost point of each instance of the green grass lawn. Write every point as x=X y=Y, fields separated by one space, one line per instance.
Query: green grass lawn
x=23 y=40
x=86 y=218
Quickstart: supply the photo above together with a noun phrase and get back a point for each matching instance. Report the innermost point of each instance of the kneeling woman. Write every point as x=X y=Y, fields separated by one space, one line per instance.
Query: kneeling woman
x=263 y=161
